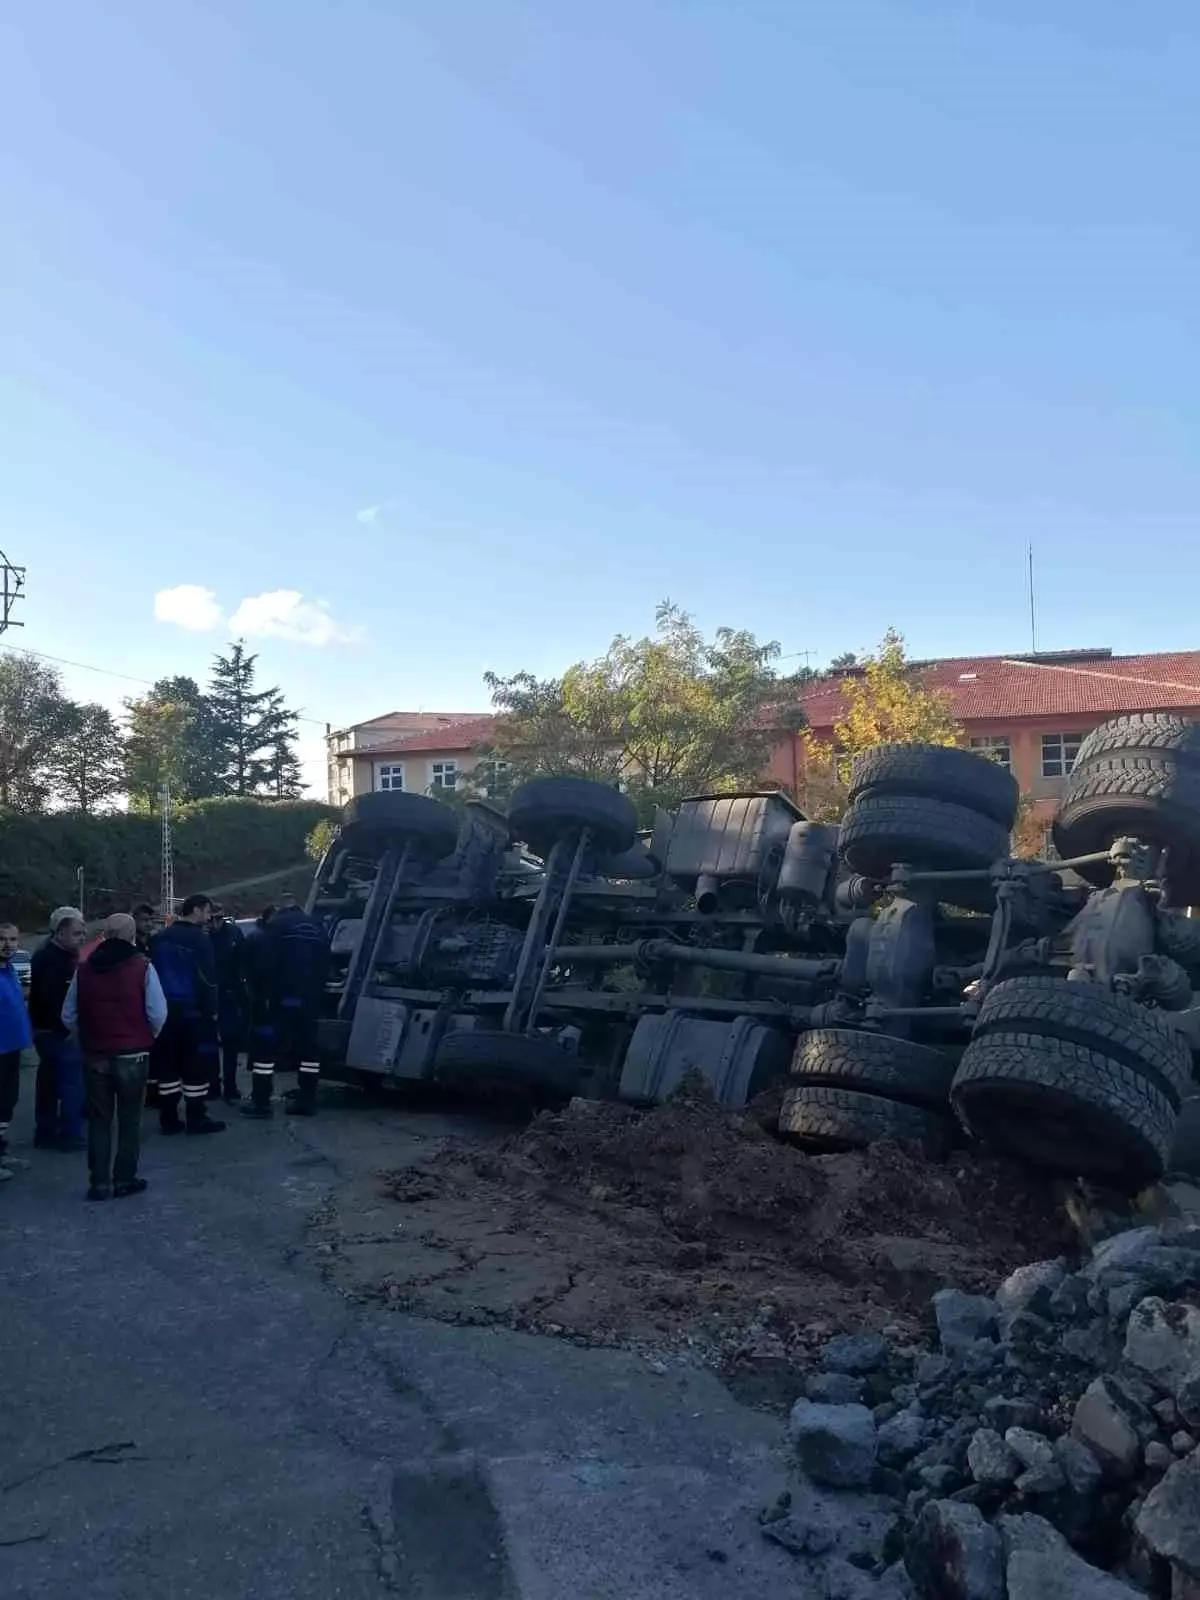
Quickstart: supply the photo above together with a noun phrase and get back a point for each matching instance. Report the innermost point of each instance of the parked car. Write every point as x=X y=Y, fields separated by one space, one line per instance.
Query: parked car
x=900 y=971
x=21 y=961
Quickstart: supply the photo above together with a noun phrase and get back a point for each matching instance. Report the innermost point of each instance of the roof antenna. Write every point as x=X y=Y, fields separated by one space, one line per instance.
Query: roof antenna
x=1032 y=605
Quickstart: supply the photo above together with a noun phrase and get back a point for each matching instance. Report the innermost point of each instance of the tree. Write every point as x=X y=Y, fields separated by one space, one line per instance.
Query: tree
x=320 y=839
x=88 y=767
x=169 y=742
x=245 y=724
x=284 y=775
x=664 y=715
x=848 y=658
x=882 y=704
x=34 y=714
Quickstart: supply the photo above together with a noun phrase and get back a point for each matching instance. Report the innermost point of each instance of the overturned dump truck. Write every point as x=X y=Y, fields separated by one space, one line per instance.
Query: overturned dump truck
x=900 y=972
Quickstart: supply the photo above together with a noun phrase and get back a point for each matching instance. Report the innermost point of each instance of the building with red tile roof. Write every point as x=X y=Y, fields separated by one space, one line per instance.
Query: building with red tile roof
x=1028 y=711
x=404 y=750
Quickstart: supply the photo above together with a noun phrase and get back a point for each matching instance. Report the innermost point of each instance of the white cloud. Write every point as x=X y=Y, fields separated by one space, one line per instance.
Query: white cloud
x=370 y=515
x=188 y=605
x=286 y=614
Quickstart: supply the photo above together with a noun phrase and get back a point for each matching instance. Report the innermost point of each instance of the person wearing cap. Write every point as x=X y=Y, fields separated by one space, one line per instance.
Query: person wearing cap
x=58 y=1091
x=116 y=1009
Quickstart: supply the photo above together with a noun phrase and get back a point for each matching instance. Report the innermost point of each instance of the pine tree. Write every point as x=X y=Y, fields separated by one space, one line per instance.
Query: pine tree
x=284 y=777
x=244 y=723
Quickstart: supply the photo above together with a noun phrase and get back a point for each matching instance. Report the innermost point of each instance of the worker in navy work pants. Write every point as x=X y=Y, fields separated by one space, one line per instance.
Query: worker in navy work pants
x=183 y=958
x=229 y=945
x=293 y=961
x=255 y=966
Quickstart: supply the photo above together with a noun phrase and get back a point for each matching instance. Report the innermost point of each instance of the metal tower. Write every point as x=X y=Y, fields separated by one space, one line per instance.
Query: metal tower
x=167 y=878
x=12 y=589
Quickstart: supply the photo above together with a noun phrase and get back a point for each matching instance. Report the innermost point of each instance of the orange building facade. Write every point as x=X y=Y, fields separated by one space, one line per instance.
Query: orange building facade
x=1027 y=712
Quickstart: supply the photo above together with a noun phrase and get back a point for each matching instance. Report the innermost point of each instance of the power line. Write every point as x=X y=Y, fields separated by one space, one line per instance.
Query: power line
x=125 y=677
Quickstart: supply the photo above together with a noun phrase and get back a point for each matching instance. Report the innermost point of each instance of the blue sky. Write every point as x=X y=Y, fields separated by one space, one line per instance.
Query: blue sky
x=806 y=315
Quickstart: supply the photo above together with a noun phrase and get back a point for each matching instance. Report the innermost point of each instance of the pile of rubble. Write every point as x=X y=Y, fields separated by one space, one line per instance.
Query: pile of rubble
x=1046 y=1450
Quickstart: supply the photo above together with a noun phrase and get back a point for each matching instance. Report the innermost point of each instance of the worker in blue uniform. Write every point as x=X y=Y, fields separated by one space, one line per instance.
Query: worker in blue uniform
x=293 y=962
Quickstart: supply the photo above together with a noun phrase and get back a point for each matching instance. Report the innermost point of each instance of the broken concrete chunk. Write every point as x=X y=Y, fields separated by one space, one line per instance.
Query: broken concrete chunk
x=932 y=1369
x=1043 y=1474
x=1031 y=1449
x=1080 y=1467
x=1028 y=1287
x=1004 y=1411
x=1120 y=1252
x=989 y=1459
x=1158 y=1456
x=1102 y=1423
x=1169 y=1520
x=854 y=1353
x=901 y=1438
x=1062 y=1575
x=953 y=1554
x=1042 y=1566
x=1182 y=1442
x=963 y=1318
x=836 y=1389
x=1187 y=1397
x=834 y=1444
x=1069 y=1300
x=1163 y=1341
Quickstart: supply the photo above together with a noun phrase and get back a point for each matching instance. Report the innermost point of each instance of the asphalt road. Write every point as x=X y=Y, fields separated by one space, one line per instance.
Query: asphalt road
x=187 y=1410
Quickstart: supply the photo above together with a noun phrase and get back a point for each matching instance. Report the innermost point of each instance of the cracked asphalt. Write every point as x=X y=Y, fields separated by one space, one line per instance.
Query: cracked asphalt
x=187 y=1409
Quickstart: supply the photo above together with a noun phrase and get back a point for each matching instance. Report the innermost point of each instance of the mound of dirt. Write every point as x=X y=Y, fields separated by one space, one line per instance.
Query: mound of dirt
x=689 y=1229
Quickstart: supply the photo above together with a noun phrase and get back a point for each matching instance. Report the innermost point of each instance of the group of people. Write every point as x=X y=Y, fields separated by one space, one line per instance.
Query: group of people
x=139 y=1017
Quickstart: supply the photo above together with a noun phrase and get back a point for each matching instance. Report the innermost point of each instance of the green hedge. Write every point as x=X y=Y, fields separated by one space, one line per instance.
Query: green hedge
x=216 y=841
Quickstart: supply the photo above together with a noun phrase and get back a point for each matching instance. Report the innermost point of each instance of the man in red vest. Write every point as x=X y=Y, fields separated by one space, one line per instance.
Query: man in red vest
x=117 y=1007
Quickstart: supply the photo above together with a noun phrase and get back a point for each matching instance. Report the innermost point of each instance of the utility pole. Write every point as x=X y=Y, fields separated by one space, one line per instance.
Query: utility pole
x=166 y=892
x=12 y=589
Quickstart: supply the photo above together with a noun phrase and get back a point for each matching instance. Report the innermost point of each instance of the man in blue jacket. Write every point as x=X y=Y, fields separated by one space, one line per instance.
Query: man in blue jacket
x=182 y=954
x=293 y=960
x=15 y=1036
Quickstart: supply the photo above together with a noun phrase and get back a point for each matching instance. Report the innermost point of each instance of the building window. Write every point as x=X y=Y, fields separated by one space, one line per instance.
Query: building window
x=995 y=749
x=1059 y=752
x=493 y=778
x=389 y=778
x=445 y=774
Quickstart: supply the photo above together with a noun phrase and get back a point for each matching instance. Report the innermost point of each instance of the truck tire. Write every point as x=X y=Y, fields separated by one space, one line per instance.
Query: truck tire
x=935 y=835
x=544 y=809
x=875 y=1063
x=425 y=821
x=1073 y=1079
x=1153 y=733
x=822 y=1119
x=1065 y=1109
x=938 y=772
x=1178 y=936
x=506 y=1066
x=1148 y=797
x=1091 y=1015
